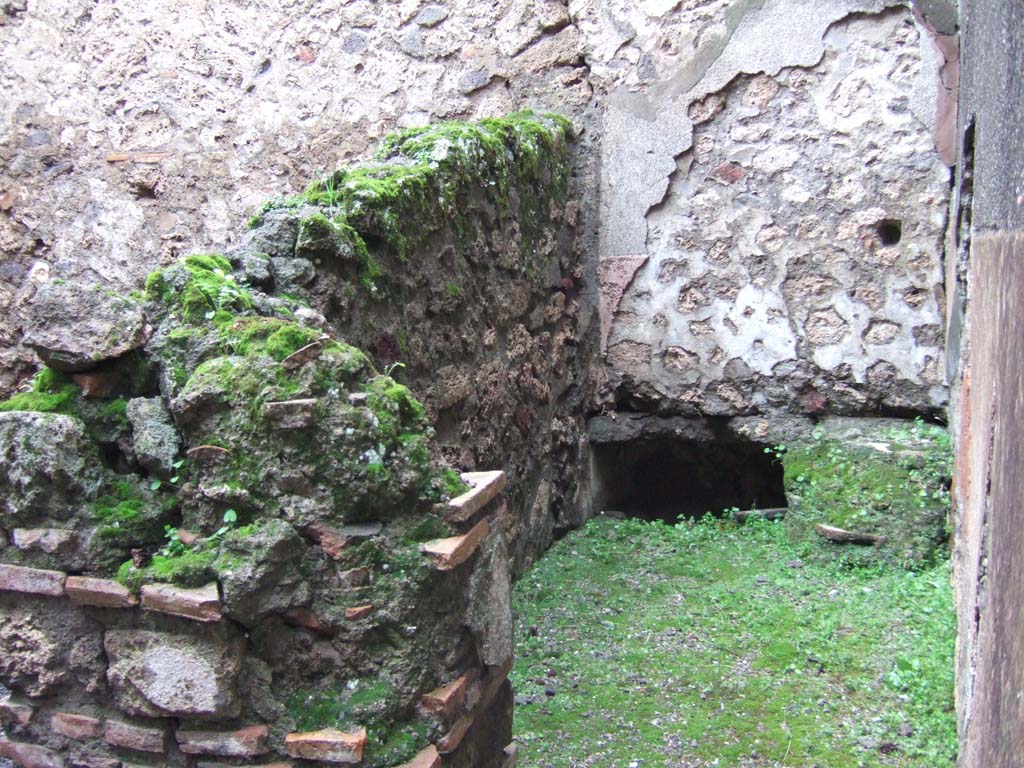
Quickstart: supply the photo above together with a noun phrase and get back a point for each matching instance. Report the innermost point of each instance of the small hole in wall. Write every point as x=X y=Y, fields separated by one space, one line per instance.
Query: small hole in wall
x=890 y=231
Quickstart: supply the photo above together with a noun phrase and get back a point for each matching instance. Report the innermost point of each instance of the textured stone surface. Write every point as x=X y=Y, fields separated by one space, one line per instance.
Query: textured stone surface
x=47 y=465
x=489 y=615
x=73 y=327
x=48 y=540
x=159 y=674
x=154 y=438
x=45 y=651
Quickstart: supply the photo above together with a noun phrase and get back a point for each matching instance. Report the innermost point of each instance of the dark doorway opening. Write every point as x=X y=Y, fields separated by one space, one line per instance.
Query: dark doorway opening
x=667 y=479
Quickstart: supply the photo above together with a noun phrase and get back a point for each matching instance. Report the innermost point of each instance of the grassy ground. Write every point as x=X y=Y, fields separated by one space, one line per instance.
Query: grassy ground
x=707 y=644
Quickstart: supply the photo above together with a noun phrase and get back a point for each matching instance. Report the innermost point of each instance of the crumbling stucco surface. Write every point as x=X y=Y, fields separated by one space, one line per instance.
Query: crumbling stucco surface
x=750 y=246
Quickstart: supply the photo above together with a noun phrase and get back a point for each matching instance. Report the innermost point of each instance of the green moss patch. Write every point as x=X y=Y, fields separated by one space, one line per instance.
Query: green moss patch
x=894 y=485
x=422 y=180
x=713 y=644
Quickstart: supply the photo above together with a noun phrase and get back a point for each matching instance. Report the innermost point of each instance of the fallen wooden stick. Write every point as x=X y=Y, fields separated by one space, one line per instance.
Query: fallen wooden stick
x=842 y=536
x=771 y=513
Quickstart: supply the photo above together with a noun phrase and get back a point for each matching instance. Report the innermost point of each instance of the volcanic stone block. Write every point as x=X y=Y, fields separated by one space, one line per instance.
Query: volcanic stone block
x=290 y=414
x=155 y=439
x=48 y=540
x=48 y=467
x=73 y=327
x=158 y=674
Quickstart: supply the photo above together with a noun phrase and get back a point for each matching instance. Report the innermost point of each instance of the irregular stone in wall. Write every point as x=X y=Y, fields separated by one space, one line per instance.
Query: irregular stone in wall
x=48 y=467
x=42 y=649
x=489 y=614
x=160 y=674
x=48 y=540
x=270 y=583
x=73 y=327
x=155 y=440
x=290 y=414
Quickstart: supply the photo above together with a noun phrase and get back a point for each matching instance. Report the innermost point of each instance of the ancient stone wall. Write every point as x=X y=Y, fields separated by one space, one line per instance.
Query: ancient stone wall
x=773 y=213
x=227 y=535
x=986 y=307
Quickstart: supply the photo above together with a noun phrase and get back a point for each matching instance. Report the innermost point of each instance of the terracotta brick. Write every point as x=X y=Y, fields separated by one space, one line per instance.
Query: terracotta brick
x=135 y=737
x=428 y=758
x=333 y=541
x=485 y=486
x=208 y=454
x=202 y=604
x=30 y=755
x=444 y=701
x=328 y=745
x=12 y=712
x=48 y=540
x=33 y=581
x=104 y=593
x=245 y=742
x=452 y=552
x=358 y=612
x=74 y=726
x=451 y=740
